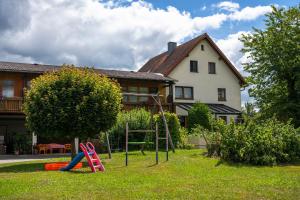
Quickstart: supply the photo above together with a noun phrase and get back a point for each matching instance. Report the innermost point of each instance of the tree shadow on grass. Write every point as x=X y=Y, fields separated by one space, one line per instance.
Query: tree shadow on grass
x=32 y=167
x=221 y=162
x=22 y=167
x=242 y=165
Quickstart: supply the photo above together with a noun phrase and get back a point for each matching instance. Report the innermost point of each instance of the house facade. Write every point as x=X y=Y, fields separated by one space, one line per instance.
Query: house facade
x=202 y=73
x=15 y=77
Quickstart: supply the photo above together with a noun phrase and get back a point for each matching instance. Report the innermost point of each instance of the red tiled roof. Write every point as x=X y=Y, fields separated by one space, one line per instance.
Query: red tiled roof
x=164 y=63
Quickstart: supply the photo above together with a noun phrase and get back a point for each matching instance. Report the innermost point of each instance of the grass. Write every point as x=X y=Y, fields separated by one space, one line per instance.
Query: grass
x=187 y=175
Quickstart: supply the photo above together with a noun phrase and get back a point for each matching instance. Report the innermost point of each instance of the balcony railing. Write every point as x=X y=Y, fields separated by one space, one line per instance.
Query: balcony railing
x=148 y=106
x=14 y=105
x=11 y=105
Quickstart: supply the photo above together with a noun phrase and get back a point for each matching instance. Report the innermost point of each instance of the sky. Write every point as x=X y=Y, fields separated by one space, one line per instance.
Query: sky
x=122 y=34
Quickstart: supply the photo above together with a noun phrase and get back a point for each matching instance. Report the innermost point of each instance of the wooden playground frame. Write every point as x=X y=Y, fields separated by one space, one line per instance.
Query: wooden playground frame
x=167 y=138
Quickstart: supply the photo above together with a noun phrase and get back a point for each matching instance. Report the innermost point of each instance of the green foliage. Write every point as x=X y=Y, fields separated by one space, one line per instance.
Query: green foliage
x=183 y=139
x=138 y=119
x=255 y=142
x=268 y=143
x=275 y=65
x=173 y=124
x=212 y=138
x=22 y=142
x=71 y=103
x=199 y=114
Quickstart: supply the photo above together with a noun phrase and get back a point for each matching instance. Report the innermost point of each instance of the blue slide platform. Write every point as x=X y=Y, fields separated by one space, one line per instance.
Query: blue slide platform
x=72 y=164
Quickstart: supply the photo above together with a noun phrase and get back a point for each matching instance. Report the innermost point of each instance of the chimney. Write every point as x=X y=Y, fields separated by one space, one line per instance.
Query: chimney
x=171 y=47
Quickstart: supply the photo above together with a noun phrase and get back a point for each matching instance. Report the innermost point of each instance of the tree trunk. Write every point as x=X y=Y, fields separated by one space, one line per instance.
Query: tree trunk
x=73 y=150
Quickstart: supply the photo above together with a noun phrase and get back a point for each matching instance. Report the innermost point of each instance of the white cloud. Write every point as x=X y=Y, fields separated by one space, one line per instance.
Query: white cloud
x=88 y=32
x=115 y=34
x=228 y=6
x=250 y=13
x=232 y=46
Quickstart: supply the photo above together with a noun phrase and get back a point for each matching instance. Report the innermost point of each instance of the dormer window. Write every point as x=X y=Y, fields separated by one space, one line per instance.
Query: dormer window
x=202 y=47
x=193 y=66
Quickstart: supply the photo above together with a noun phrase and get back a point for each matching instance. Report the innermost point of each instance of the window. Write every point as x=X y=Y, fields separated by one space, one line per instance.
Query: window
x=153 y=90
x=202 y=47
x=183 y=92
x=143 y=90
x=132 y=99
x=223 y=118
x=221 y=94
x=211 y=68
x=137 y=90
x=193 y=66
x=8 y=88
x=125 y=97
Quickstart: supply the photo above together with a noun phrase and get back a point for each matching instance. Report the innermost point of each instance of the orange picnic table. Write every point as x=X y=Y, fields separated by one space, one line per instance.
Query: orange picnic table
x=53 y=146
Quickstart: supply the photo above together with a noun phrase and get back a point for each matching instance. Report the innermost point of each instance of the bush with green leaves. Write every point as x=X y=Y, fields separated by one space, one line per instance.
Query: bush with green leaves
x=213 y=137
x=255 y=142
x=138 y=119
x=72 y=102
x=199 y=114
x=268 y=143
x=173 y=125
x=183 y=139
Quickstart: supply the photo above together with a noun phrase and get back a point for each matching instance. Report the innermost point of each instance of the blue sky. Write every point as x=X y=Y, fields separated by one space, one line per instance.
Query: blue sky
x=208 y=7
x=122 y=34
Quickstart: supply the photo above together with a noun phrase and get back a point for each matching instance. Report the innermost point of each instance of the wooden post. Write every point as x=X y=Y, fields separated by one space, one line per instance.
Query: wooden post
x=167 y=144
x=108 y=146
x=126 y=160
x=76 y=141
x=156 y=142
x=166 y=125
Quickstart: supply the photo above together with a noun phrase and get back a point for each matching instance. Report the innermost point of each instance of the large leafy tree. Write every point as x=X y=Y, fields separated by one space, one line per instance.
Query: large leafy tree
x=71 y=103
x=274 y=65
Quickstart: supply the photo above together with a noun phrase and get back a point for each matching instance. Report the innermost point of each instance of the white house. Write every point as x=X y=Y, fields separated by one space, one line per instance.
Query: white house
x=203 y=73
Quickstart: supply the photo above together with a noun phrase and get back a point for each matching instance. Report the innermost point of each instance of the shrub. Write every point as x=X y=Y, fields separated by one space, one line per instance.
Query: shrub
x=268 y=143
x=183 y=139
x=212 y=138
x=136 y=118
x=173 y=124
x=199 y=114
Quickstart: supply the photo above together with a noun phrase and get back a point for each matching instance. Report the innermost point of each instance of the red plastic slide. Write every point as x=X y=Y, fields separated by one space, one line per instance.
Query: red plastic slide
x=92 y=157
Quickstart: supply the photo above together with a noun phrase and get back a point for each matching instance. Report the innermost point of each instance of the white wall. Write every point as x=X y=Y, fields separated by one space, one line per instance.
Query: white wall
x=206 y=85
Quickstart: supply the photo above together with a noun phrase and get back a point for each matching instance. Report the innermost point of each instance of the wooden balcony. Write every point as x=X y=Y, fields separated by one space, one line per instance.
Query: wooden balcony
x=11 y=105
x=14 y=105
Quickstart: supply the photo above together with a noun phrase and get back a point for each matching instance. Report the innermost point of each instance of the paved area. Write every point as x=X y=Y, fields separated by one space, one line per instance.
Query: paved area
x=17 y=160
x=25 y=158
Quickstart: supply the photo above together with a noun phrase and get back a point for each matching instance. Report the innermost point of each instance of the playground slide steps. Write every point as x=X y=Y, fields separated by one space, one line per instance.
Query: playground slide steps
x=89 y=152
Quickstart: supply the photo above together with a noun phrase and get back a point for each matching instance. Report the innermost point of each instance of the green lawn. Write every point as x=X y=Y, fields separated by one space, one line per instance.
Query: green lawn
x=187 y=175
